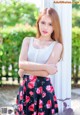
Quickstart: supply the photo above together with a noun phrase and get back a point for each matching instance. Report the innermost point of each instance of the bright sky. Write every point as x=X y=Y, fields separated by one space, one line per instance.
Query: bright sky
x=37 y=2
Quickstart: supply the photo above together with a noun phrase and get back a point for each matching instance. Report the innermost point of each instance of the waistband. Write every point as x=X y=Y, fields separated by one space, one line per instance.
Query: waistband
x=27 y=75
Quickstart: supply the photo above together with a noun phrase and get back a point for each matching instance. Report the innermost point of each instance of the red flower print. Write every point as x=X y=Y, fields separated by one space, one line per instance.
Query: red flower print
x=40 y=103
x=31 y=84
x=54 y=98
x=43 y=94
x=35 y=103
x=49 y=104
x=27 y=99
x=32 y=78
x=56 y=105
x=21 y=95
x=24 y=88
x=35 y=113
x=23 y=82
x=31 y=107
x=49 y=88
x=39 y=90
x=52 y=111
x=31 y=93
x=40 y=113
x=20 y=107
x=24 y=104
x=23 y=113
x=47 y=79
x=25 y=79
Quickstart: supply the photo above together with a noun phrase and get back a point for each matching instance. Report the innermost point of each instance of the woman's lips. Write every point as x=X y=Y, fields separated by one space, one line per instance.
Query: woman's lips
x=45 y=32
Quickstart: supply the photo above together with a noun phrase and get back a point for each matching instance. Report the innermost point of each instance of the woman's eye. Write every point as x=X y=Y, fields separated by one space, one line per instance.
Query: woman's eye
x=50 y=24
x=43 y=22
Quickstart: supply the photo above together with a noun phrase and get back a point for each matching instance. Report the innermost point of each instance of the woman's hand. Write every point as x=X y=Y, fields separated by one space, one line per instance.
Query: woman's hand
x=21 y=72
x=51 y=68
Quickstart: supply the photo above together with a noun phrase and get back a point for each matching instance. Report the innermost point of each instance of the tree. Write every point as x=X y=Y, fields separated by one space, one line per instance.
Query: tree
x=17 y=12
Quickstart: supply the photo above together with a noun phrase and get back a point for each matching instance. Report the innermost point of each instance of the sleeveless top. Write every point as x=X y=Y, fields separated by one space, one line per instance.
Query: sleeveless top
x=39 y=55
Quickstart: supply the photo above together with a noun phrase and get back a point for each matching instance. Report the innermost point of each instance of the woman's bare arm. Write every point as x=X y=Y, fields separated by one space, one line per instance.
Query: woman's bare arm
x=21 y=72
x=23 y=58
x=37 y=73
x=53 y=59
x=26 y=65
x=55 y=55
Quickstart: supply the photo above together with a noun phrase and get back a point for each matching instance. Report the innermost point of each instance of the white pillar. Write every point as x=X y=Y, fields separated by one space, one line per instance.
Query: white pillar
x=62 y=80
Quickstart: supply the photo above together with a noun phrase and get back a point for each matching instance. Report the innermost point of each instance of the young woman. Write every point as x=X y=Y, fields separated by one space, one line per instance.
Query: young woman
x=38 y=58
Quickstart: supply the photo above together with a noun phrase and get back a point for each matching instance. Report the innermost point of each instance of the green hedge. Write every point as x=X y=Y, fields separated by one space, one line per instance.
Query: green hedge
x=10 y=48
x=11 y=45
x=76 y=45
x=75 y=55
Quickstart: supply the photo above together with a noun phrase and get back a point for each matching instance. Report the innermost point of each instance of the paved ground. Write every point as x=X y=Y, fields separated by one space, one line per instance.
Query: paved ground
x=8 y=97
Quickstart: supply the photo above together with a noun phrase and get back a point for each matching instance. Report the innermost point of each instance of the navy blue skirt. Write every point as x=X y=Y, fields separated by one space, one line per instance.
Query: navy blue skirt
x=36 y=96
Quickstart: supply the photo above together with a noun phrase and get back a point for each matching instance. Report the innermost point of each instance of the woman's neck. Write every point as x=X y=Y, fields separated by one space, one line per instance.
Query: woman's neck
x=43 y=39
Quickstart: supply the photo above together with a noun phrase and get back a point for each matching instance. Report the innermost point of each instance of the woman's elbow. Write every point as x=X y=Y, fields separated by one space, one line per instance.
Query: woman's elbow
x=20 y=65
x=45 y=74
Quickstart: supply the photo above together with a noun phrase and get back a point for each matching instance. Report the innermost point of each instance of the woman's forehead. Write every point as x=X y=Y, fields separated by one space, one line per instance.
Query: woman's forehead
x=46 y=17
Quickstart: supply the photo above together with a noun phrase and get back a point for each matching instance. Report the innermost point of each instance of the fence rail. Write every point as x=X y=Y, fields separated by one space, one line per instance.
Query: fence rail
x=12 y=80
x=9 y=65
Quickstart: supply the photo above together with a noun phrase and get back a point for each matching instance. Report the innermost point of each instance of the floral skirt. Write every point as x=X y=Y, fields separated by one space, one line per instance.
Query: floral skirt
x=36 y=96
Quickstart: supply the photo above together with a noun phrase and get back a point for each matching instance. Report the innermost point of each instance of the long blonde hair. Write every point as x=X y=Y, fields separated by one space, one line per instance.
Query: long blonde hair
x=56 y=34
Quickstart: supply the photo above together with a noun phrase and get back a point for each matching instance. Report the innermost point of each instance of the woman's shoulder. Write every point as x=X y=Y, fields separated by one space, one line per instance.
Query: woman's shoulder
x=58 y=47
x=27 y=39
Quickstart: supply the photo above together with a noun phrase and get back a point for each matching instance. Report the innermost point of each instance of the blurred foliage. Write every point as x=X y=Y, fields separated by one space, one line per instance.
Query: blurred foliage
x=75 y=18
x=75 y=14
x=76 y=55
x=17 y=12
x=12 y=38
x=76 y=6
x=76 y=46
x=76 y=42
x=17 y=21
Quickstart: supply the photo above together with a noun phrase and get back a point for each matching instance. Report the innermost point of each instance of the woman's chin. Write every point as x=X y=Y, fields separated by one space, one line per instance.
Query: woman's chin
x=45 y=35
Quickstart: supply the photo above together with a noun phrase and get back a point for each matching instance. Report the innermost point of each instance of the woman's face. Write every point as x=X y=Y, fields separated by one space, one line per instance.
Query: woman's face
x=45 y=26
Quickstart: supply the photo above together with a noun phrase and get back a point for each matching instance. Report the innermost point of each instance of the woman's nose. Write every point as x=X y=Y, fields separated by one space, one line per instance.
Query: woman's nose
x=46 y=26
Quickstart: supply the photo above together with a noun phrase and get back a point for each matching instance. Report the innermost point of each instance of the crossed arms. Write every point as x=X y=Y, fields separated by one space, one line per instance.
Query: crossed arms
x=36 y=68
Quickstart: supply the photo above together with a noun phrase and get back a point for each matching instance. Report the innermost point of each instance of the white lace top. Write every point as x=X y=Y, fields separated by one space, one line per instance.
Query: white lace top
x=39 y=55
